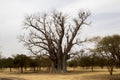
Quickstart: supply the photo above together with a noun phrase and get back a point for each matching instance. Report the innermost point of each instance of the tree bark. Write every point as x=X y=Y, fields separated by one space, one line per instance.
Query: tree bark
x=53 y=66
x=59 y=65
x=64 y=64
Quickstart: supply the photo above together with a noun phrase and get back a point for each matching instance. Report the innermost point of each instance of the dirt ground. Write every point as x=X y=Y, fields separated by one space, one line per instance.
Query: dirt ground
x=77 y=74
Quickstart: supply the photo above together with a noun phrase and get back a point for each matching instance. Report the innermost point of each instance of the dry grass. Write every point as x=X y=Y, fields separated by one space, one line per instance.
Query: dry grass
x=77 y=74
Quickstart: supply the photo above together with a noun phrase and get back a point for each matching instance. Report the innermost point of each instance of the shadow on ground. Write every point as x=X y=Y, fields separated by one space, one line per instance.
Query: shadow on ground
x=11 y=78
x=4 y=79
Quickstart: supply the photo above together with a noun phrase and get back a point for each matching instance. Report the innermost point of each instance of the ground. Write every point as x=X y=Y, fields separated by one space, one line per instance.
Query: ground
x=73 y=74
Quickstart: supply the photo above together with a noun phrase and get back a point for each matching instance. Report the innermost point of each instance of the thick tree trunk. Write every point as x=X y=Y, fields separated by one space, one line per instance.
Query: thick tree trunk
x=53 y=66
x=59 y=65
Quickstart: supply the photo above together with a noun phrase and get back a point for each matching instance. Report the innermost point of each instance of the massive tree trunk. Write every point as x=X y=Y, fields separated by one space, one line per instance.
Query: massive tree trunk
x=53 y=66
x=59 y=65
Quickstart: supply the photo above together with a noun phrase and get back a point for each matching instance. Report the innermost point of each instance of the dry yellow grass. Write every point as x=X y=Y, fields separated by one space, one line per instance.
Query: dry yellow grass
x=78 y=74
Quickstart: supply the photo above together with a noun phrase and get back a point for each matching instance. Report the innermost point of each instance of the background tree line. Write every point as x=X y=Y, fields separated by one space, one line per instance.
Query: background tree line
x=105 y=54
x=23 y=62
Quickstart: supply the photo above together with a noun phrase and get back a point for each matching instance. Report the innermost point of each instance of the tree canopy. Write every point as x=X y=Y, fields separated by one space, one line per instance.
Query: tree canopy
x=111 y=46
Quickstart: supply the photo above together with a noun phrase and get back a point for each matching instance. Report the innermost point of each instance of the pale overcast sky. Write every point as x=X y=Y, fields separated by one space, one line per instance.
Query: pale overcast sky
x=105 y=18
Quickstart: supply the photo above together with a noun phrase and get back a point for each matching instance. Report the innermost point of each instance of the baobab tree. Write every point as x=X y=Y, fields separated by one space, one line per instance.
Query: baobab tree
x=55 y=35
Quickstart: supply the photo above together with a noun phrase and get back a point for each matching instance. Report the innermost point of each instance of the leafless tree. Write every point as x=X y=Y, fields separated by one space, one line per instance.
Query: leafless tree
x=54 y=34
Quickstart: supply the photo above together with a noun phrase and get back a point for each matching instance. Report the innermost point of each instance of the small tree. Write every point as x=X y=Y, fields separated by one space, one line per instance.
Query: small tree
x=20 y=61
x=34 y=64
x=109 y=47
x=3 y=63
x=10 y=63
x=101 y=62
x=73 y=63
x=85 y=61
x=46 y=62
